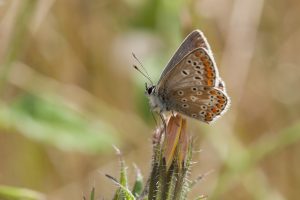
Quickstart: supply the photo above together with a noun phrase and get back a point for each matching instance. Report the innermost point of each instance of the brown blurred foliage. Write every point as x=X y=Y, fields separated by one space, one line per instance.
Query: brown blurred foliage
x=76 y=55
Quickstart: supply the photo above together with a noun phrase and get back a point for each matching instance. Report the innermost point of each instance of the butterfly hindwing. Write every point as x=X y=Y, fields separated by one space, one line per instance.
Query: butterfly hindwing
x=194 y=40
x=200 y=102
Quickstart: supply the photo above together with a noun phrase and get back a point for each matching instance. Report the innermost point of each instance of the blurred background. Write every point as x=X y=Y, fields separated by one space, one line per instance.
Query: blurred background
x=69 y=93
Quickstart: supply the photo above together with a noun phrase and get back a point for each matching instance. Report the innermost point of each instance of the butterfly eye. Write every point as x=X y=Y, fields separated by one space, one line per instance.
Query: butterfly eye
x=150 y=90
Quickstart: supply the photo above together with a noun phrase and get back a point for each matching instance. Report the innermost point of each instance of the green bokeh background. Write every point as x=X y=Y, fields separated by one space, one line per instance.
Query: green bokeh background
x=68 y=93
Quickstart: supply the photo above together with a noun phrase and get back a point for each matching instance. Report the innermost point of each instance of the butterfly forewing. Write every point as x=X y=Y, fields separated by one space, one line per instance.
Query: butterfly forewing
x=196 y=68
x=194 y=40
x=200 y=102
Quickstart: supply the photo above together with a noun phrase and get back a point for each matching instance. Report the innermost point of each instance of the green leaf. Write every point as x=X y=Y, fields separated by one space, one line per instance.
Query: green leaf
x=92 y=194
x=123 y=193
x=14 y=193
x=53 y=122
x=154 y=175
x=123 y=175
x=127 y=194
x=172 y=180
x=138 y=185
x=120 y=194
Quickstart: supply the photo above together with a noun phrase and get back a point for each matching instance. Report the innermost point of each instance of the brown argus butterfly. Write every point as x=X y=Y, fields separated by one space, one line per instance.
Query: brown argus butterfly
x=190 y=83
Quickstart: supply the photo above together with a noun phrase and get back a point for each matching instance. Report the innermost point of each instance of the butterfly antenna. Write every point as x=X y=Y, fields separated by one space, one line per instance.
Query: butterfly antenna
x=147 y=77
x=134 y=56
x=146 y=73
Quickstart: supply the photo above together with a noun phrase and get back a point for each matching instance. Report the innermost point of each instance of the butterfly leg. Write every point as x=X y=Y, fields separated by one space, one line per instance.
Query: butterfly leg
x=174 y=117
x=154 y=118
x=173 y=113
x=164 y=122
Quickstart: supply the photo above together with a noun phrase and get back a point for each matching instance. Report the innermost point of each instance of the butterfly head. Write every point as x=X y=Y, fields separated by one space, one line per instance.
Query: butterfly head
x=157 y=105
x=150 y=90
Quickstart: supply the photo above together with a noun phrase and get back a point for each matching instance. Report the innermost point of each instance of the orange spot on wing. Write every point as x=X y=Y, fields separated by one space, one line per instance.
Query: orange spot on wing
x=205 y=58
x=205 y=62
x=207 y=68
x=221 y=101
x=209 y=82
x=214 y=110
x=197 y=53
x=208 y=115
x=213 y=92
x=209 y=74
x=208 y=119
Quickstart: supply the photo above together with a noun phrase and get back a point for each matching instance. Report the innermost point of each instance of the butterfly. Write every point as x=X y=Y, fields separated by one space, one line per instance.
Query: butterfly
x=190 y=83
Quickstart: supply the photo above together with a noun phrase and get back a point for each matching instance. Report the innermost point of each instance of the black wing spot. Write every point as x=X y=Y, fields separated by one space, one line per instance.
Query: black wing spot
x=184 y=72
x=203 y=107
x=194 y=89
x=185 y=105
x=180 y=92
